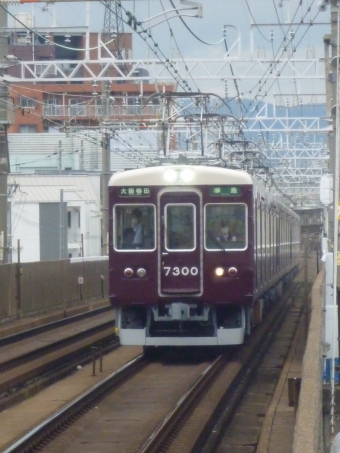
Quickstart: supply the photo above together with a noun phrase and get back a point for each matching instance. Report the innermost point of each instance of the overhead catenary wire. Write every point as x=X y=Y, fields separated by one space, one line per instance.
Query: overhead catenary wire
x=274 y=62
x=125 y=10
x=52 y=42
x=270 y=88
x=286 y=62
x=155 y=49
x=265 y=76
x=191 y=32
x=67 y=47
x=247 y=4
x=165 y=62
x=29 y=110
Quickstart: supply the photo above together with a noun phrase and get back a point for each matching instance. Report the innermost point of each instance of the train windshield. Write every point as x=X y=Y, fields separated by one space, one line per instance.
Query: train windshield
x=134 y=227
x=180 y=232
x=225 y=226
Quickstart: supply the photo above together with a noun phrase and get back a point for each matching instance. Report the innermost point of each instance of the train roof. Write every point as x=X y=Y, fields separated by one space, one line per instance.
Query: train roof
x=200 y=175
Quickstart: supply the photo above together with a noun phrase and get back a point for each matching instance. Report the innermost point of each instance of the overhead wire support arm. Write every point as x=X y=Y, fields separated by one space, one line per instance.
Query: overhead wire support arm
x=193 y=5
x=158 y=23
x=170 y=11
x=199 y=95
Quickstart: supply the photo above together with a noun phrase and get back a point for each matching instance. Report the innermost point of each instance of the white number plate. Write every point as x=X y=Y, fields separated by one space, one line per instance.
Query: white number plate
x=180 y=271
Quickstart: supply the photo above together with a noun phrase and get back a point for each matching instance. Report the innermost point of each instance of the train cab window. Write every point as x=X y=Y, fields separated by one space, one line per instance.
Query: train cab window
x=134 y=227
x=225 y=226
x=180 y=227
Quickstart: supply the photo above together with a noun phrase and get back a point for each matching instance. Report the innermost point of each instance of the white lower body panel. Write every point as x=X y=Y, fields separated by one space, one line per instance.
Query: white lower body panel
x=132 y=337
x=224 y=337
x=230 y=336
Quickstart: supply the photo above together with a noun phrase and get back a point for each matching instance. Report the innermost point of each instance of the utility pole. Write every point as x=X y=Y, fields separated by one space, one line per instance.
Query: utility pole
x=113 y=27
x=4 y=157
x=81 y=158
x=60 y=163
x=106 y=166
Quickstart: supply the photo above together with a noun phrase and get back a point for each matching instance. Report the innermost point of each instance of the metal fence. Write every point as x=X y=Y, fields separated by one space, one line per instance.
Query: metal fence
x=41 y=287
x=96 y=111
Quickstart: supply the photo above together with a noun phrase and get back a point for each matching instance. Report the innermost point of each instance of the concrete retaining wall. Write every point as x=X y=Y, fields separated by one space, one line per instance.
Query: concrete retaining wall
x=50 y=285
x=308 y=435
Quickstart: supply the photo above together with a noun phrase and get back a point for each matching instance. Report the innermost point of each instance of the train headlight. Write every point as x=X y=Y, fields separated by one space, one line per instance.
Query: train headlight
x=141 y=272
x=232 y=271
x=219 y=271
x=187 y=175
x=170 y=175
x=128 y=272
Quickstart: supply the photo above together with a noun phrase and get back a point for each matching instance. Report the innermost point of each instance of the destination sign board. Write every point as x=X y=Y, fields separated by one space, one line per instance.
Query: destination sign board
x=134 y=191
x=225 y=191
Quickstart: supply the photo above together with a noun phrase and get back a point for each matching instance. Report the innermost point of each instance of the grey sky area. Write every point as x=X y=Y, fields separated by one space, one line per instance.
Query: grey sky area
x=253 y=29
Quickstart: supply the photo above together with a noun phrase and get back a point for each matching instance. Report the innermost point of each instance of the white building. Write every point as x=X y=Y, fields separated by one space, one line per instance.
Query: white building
x=41 y=153
x=54 y=216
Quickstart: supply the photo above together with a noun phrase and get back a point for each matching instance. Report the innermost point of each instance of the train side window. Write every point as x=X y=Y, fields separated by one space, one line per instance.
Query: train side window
x=134 y=227
x=225 y=226
x=180 y=227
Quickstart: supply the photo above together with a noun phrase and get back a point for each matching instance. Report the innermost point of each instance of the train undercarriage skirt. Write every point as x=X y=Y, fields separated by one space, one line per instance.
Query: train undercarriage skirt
x=181 y=324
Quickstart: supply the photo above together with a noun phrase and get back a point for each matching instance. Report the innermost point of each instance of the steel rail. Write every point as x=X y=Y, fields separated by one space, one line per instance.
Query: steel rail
x=210 y=436
x=45 y=349
x=182 y=409
x=52 y=325
x=164 y=435
x=27 y=380
x=183 y=404
x=31 y=440
x=40 y=365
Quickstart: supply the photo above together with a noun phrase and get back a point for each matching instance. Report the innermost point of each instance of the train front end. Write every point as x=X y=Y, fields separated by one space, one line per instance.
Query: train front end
x=181 y=262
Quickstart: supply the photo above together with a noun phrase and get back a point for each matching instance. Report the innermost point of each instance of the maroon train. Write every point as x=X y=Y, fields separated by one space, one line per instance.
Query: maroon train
x=196 y=254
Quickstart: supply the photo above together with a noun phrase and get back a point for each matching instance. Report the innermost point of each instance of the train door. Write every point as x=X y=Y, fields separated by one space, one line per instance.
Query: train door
x=180 y=238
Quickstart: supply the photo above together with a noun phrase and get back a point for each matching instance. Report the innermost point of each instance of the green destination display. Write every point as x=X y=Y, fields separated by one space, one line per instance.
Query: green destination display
x=134 y=191
x=225 y=191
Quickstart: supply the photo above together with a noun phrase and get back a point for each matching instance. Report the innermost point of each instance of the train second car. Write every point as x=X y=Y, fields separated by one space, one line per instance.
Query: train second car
x=196 y=253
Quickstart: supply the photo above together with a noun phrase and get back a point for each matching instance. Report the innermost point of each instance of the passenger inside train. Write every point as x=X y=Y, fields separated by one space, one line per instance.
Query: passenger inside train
x=134 y=227
x=226 y=226
x=225 y=234
x=128 y=237
x=180 y=227
x=138 y=228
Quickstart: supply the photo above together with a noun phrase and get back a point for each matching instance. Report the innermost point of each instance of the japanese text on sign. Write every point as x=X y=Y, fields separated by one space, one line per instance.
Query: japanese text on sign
x=225 y=191
x=134 y=191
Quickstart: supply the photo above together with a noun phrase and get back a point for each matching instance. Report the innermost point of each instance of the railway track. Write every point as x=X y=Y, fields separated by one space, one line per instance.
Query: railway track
x=177 y=404
x=46 y=327
x=203 y=421
x=36 y=357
